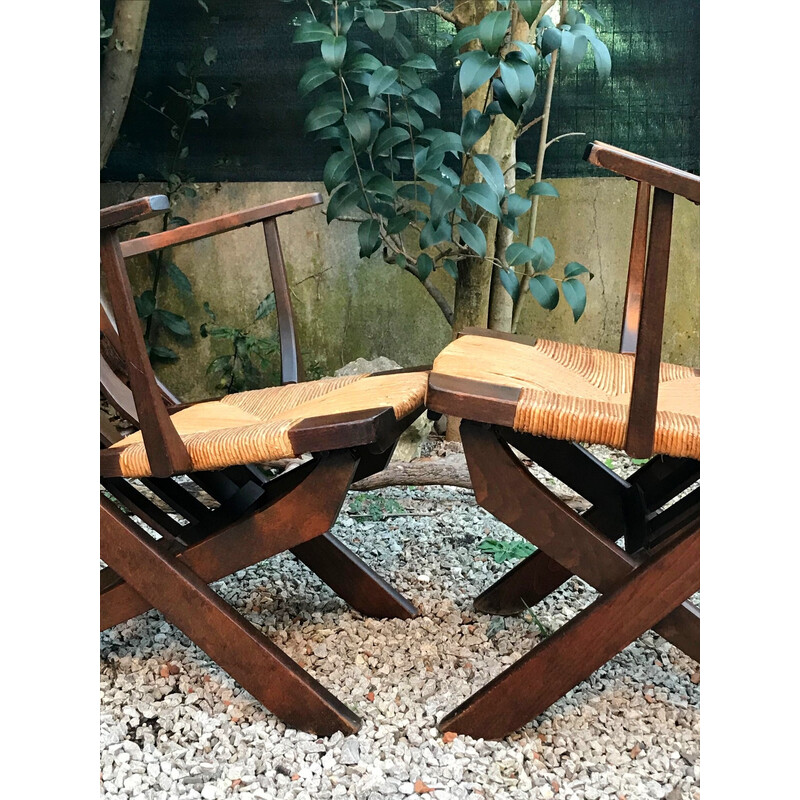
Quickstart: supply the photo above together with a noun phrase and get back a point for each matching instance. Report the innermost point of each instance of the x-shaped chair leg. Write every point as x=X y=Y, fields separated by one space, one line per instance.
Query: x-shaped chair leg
x=638 y=593
x=585 y=643
x=170 y=585
x=298 y=519
x=569 y=544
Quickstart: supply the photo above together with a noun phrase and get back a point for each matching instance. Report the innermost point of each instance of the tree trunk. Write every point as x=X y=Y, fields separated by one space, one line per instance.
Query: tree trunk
x=119 y=69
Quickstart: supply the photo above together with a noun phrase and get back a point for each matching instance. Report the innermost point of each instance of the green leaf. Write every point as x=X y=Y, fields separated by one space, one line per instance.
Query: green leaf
x=449 y=266
x=173 y=322
x=444 y=200
x=518 y=78
x=342 y=200
x=424 y=266
x=465 y=35
x=545 y=291
x=145 y=304
x=337 y=168
x=321 y=117
x=375 y=18
x=223 y=332
x=492 y=30
x=265 y=307
x=433 y=233
x=420 y=61
x=525 y=168
x=507 y=105
x=313 y=78
x=404 y=47
x=589 y=8
x=389 y=27
x=209 y=311
x=381 y=80
x=409 y=77
x=573 y=269
x=220 y=364
x=334 y=49
x=163 y=353
x=397 y=224
x=527 y=52
x=369 y=237
x=543 y=189
x=427 y=100
x=491 y=172
x=473 y=237
x=602 y=59
x=543 y=254
x=517 y=205
x=480 y=194
x=572 y=50
x=311 y=32
x=551 y=40
x=476 y=68
x=575 y=295
x=416 y=192
x=529 y=9
x=473 y=126
x=379 y=184
x=410 y=117
x=446 y=141
x=518 y=253
x=510 y=282
x=181 y=282
x=210 y=55
x=362 y=61
x=358 y=124
x=389 y=138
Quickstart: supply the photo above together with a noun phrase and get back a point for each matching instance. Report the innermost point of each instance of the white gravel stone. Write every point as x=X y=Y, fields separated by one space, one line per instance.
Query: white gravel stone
x=159 y=740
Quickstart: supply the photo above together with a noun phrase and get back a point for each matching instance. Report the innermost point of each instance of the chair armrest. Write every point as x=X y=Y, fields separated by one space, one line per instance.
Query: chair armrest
x=639 y=168
x=133 y=211
x=216 y=225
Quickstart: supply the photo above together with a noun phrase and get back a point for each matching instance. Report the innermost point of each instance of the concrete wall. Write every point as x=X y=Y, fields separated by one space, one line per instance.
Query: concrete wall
x=348 y=307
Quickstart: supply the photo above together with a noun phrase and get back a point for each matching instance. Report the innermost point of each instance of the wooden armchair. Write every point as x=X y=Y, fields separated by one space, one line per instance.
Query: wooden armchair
x=350 y=425
x=547 y=400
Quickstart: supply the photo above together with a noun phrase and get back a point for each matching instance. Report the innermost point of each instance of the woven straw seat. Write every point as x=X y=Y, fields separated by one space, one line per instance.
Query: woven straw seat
x=578 y=393
x=256 y=426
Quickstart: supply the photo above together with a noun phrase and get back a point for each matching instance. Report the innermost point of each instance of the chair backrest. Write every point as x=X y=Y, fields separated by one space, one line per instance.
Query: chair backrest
x=143 y=400
x=646 y=290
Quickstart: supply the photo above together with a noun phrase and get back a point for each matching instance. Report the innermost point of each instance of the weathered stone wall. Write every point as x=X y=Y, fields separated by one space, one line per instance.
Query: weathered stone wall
x=348 y=307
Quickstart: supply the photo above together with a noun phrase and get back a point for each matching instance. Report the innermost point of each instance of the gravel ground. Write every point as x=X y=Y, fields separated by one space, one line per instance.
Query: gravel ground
x=174 y=725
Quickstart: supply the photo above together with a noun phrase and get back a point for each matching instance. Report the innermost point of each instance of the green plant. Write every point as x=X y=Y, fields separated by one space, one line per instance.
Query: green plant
x=503 y=551
x=188 y=110
x=249 y=364
x=432 y=198
x=531 y=618
x=374 y=507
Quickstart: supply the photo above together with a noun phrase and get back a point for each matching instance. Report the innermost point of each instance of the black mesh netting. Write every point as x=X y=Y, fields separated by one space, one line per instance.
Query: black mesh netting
x=649 y=105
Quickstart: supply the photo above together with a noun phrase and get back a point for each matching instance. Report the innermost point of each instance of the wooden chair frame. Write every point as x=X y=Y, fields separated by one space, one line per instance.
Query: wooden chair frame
x=644 y=584
x=253 y=517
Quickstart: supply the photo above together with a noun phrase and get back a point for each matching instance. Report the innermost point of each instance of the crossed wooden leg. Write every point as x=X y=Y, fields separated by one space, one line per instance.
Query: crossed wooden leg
x=541 y=573
x=640 y=592
x=169 y=584
x=293 y=513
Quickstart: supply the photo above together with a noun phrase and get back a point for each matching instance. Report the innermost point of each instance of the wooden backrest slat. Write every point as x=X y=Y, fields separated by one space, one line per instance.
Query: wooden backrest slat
x=640 y=168
x=291 y=361
x=644 y=396
x=165 y=449
x=646 y=288
x=222 y=224
x=636 y=265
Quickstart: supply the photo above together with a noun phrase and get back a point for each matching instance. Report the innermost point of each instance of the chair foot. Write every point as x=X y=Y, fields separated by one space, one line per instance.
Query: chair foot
x=230 y=640
x=585 y=643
